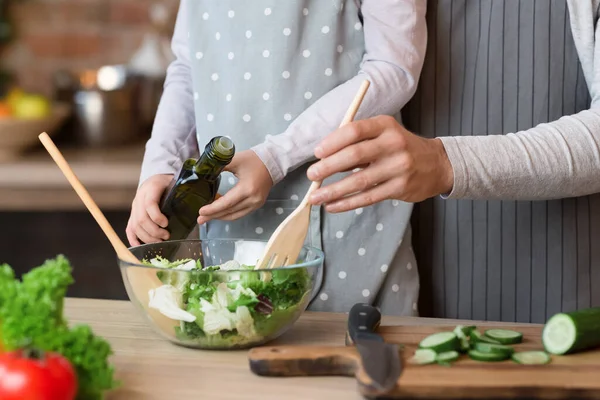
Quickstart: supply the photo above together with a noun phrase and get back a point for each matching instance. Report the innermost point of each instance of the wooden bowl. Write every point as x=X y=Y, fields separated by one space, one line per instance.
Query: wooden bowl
x=18 y=135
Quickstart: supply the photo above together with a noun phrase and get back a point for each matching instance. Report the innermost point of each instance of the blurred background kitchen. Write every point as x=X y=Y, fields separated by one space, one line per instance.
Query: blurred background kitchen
x=90 y=73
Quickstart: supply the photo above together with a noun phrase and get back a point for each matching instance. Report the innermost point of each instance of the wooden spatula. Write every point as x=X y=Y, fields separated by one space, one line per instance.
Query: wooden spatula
x=286 y=242
x=140 y=279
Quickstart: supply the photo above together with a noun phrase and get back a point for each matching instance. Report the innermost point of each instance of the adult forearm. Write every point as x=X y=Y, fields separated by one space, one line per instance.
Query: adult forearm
x=553 y=160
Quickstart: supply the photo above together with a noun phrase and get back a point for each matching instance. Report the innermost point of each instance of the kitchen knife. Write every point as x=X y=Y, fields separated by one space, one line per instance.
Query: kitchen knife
x=381 y=361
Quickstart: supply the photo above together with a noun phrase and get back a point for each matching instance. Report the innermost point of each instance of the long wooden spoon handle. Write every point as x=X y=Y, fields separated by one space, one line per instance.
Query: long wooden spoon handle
x=349 y=117
x=120 y=248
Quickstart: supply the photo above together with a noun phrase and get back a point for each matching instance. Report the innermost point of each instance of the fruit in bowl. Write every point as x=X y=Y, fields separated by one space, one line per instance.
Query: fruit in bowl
x=213 y=296
x=23 y=105
x=23 y=116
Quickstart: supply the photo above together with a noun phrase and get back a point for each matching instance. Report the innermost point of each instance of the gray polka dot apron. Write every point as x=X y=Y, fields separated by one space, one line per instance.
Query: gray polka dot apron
x=256 y=66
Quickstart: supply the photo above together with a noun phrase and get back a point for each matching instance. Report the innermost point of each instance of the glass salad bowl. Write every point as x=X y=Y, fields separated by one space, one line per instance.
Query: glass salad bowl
x=206 y=294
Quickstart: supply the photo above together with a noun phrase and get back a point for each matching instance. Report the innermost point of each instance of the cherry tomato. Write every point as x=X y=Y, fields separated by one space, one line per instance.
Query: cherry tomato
x=35 y=375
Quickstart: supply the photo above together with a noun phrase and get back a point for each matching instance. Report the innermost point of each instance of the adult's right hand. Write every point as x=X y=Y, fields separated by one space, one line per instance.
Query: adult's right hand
x=146 y=222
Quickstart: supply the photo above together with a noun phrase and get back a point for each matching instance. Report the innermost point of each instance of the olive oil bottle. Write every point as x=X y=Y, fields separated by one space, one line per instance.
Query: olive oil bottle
x=195 y=187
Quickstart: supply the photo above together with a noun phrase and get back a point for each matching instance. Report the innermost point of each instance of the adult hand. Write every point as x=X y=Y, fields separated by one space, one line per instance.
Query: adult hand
x=397 y=165
x=146 y=222
x=248 y=194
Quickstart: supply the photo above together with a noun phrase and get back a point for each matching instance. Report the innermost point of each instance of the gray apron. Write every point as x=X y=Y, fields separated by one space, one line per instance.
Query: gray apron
x=256 y=66
x=495 y=67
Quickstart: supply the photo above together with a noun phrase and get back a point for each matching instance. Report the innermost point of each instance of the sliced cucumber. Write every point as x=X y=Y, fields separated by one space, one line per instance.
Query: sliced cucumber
x=447 y=357
x=494 y=348
x=423 y=356
x=504 y=336
x=571 y=332
x=477 y=337
x=462 y=333
x=531 y=357
x=468 y=329
x=489 y=357
x=441 y=342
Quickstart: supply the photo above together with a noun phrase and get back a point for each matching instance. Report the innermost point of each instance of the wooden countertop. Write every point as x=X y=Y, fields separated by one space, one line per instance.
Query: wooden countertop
x=33 y=182
x=152 y=368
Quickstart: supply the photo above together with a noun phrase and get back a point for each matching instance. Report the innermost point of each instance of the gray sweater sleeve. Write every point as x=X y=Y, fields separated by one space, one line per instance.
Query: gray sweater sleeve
x=395 y=39
x=173 y=137
x=553 y=160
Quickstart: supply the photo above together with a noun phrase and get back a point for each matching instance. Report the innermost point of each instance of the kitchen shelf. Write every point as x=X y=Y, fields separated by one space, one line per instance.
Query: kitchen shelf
x=33 y=182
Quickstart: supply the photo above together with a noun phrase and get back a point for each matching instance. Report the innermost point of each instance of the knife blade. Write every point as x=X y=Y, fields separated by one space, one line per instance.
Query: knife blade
x=381 y=361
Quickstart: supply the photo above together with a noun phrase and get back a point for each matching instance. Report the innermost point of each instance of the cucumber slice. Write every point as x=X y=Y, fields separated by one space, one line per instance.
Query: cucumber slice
x=462 y=333
x=477 y=337
x=447 y=357
x=441 y=342
x=494 y=348
x=531 y=357
x=567 y=333
x=423 y=356
x=488 y=357
x=504 y=336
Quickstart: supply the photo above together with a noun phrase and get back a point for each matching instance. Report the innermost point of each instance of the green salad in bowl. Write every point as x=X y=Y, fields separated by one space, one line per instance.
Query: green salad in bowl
x=214 y=297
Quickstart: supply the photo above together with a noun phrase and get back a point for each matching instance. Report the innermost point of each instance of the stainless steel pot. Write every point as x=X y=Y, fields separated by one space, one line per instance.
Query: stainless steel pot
x=112 y=107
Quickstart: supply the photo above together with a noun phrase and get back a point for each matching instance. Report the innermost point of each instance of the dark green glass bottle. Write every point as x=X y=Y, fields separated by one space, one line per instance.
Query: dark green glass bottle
x=195 y=187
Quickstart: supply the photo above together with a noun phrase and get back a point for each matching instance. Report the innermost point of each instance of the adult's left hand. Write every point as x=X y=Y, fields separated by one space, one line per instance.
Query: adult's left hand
x=395 y=164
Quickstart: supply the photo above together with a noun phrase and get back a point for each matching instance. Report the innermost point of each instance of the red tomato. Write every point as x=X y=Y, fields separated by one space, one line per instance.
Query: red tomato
x=33 y=375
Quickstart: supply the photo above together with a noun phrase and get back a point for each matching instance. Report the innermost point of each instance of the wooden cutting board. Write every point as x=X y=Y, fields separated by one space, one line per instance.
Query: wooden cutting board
x=575 y=376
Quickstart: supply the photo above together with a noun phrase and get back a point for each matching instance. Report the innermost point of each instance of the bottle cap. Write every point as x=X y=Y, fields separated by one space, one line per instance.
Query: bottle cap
x=221 y=148
x=224 y=145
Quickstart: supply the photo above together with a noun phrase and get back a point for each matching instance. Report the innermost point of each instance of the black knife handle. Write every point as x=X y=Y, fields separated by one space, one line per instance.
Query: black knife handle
x=363 y=320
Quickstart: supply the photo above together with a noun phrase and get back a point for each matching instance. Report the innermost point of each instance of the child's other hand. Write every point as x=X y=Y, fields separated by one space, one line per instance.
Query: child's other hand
x=250 y=192
x=146 y=222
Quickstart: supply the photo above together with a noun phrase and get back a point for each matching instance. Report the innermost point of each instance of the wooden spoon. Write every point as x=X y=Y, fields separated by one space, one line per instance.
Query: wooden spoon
x=141 y=279
x=286 y=242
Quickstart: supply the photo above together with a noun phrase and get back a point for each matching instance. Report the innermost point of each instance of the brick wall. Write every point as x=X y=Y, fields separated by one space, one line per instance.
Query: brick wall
x=73 y=34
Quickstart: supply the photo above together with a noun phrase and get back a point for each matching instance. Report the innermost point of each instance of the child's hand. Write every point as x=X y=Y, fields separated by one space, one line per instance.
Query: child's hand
x=146 y=222
x=249 y=194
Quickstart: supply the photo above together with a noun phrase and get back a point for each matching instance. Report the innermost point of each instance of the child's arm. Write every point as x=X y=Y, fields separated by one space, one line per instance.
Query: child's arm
x=395 y=38
x=173 y=140
x=173 y=135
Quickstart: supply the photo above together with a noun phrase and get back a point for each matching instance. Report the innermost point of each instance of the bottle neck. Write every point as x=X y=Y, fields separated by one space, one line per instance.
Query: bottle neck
x=216 y=156
x=208 y=167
